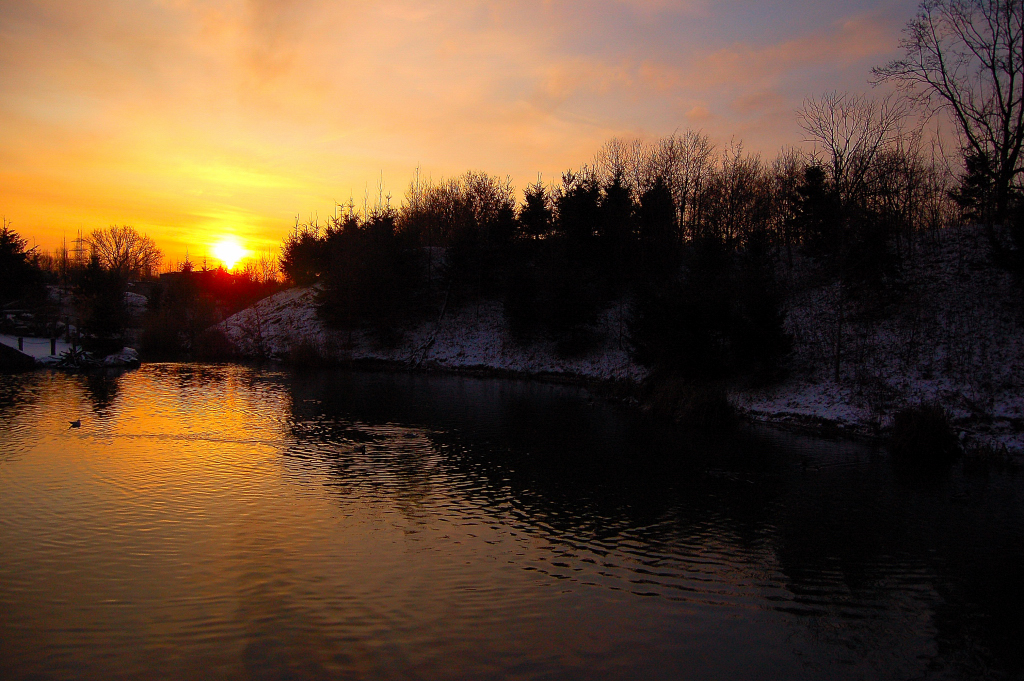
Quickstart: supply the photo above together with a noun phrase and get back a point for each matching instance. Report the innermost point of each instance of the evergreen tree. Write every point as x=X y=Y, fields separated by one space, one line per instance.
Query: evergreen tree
x=374 y=276
x=577 y=215
x=615 y=227
x=656 y=224
x=818 y=215
x=718 y=315
x=19 y=273
x=304 y=255
x=535 y=217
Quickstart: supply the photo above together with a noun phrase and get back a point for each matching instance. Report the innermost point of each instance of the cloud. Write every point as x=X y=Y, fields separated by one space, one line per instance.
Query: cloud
x=848 y=42
x=185 y=115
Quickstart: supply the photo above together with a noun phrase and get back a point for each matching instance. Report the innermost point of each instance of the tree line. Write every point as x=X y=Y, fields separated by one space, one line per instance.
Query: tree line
x=701 y=242
x=696 y=242
x=93 y=275
x=85 y=291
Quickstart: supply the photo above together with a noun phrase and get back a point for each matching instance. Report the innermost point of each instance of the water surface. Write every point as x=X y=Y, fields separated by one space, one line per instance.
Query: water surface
x=227 y=522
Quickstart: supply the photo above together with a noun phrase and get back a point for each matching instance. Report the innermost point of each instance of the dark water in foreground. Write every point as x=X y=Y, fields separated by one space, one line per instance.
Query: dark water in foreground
x=223 y=522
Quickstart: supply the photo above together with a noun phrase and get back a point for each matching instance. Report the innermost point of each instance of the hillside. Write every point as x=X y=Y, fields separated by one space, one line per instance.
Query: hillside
x=472 y=337
x=954 y=335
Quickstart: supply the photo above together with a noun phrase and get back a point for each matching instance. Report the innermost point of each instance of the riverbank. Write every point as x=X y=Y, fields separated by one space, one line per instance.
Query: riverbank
x=37 y=348
x=953 y=337
x=285 y=327
x=953 y=334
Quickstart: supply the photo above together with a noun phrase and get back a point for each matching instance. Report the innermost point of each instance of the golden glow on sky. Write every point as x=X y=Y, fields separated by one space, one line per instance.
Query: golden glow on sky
x=189 y=119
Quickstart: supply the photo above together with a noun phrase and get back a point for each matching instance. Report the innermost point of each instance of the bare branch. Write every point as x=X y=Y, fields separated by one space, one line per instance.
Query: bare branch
x=966 y=57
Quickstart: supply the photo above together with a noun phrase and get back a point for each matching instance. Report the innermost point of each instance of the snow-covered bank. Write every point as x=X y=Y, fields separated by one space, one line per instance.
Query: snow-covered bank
x=954 y=336
x=38 y=348
x=65 y=357
x=472 y=337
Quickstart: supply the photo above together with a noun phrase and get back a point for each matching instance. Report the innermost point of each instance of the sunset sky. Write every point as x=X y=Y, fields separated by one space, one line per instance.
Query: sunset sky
x=196 y=120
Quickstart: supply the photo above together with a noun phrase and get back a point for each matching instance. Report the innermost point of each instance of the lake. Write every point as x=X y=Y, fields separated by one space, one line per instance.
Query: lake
x=228 y=522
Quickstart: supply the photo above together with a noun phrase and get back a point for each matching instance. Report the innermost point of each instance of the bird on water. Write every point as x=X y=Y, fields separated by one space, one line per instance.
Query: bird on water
x=76 y=424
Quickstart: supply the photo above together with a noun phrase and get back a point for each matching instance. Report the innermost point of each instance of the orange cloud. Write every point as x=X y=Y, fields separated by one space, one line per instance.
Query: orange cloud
x=192 y=118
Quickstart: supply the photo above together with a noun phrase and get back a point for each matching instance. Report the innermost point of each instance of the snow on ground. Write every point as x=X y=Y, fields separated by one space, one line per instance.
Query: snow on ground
x=38 y=348
x=473 y=337
x=955 y=337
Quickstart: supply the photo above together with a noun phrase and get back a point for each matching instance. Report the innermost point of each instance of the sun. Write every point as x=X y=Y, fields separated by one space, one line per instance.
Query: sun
x=229 y=252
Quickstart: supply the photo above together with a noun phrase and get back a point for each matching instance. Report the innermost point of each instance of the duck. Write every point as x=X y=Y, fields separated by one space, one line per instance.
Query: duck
x=76 y=424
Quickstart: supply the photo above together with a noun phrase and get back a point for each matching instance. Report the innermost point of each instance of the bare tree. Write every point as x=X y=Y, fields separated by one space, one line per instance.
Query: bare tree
x=125 y=251
x=267 y=267
x=852 y=131
x=685 y=162
x=491 y=198
x=262 y=269
x=855 y=134
x=967 y=57
x=786 y=174
x=625 y=159
x=736 y=196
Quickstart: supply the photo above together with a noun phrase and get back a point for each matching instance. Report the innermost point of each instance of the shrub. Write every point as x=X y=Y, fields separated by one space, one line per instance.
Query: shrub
x=694 y=405
x=922 y=436
x=101 y=346
x=213 y=345
x=705 y=407
x=308 y=354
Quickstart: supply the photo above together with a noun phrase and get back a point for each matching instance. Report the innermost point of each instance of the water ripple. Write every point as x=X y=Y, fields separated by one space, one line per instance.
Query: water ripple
x=380 y=526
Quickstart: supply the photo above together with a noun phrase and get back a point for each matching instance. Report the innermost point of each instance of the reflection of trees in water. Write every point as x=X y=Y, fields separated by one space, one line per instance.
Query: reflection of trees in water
x=978 y=546
x=866 y=567
x=249 y=394
x=101 y=389
x=19 y=393
x=857 y=579
x=867 y=559
x=284 y=638
x=561 y=465
x=366 y=461
x=189 y=377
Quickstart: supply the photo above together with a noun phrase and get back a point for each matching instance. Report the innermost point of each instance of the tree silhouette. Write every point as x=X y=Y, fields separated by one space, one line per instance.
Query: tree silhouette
x=99 y=299
x=18 y=271
x=656 y=225
x=576 y=207
x=374 y=276
x=124 y=251
x=535 y=217
x=966 y=57
x=303 y=255
x=616 y=229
